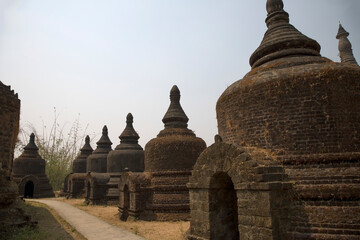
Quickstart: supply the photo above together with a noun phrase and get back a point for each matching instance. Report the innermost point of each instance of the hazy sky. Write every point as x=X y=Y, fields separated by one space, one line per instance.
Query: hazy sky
x=104 y=59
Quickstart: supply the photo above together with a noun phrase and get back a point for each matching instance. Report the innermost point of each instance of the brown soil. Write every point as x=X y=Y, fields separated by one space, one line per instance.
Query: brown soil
x=150 y=230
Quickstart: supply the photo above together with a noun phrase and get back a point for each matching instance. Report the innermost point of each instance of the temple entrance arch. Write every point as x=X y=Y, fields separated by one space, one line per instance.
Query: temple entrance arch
x=29 y=189
x=223 y=208
x=236 y=193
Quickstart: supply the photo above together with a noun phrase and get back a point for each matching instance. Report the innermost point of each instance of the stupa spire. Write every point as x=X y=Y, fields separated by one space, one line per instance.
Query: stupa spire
x=175 y=115
x=275 y=8
x=345 y=49
x=87 y=147
x=104 y=140
x=31 y=145
x=129 y=134
x=281 y=39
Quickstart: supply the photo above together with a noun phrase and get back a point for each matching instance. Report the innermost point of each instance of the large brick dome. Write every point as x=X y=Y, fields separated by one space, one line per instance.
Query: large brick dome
x=293 y=101
x=303 y=109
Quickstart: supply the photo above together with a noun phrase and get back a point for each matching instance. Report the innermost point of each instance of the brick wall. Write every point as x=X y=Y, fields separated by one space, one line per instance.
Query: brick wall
x=300 y=110
x=9 y=126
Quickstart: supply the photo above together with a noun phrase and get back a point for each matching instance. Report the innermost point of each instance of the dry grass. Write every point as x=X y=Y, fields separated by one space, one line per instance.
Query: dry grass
x=150 y=230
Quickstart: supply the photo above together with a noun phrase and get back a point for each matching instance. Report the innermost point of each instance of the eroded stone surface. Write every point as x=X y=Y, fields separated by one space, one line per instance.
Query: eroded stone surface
x=302 y=109
x=10 y=215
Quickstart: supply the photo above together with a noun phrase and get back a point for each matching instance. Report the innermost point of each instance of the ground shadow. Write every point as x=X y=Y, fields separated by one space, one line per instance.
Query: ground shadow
x=47 y=228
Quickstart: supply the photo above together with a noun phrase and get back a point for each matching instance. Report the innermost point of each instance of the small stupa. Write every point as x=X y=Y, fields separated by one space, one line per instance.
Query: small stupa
x=176 y=147
x=76 y=180
x=29 y=173
x=127 y=155
x=96 y=166
x=96 y=162
x=160 y=193
x=79 y=164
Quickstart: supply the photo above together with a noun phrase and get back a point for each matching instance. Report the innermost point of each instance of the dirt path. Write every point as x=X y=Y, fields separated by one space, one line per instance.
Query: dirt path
x=89 y=226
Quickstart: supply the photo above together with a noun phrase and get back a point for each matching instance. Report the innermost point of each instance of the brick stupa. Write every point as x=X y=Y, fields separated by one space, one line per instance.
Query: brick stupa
x=127 y=156
x=160 y=193
x=300 y=111
x=76 y=180
x=29 y=173
x=96 y=166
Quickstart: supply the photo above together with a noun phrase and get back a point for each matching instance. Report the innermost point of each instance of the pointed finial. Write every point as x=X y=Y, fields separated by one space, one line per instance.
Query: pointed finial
x=218 y=138
x=87 y=147
x=31 y=145
x=175 y=94
x=276 y=13
x=345 y=48
x=175 y=115
x=281 y=39
x=104 y=140
x=129 y=134
x=32 y=138
x=105 y=130
x=129 y=118
x=341 y=32
x=274 y=6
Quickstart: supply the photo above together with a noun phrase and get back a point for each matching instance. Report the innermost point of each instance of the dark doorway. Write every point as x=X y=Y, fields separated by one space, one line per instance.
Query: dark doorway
x=223 y=208
x=29 y=189
x=126 y=206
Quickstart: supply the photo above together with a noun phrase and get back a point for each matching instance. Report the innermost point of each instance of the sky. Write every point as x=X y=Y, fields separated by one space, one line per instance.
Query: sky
x=96 y=61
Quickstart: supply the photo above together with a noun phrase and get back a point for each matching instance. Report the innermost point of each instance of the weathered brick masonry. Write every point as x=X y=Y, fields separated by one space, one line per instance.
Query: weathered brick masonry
x=169 y=158
x=303 y=111
x=127 y=156
x=306 y=109
x=9 y=128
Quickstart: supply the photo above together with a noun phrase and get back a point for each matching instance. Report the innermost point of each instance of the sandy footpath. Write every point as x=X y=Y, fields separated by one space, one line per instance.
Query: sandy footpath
x=89 y=226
